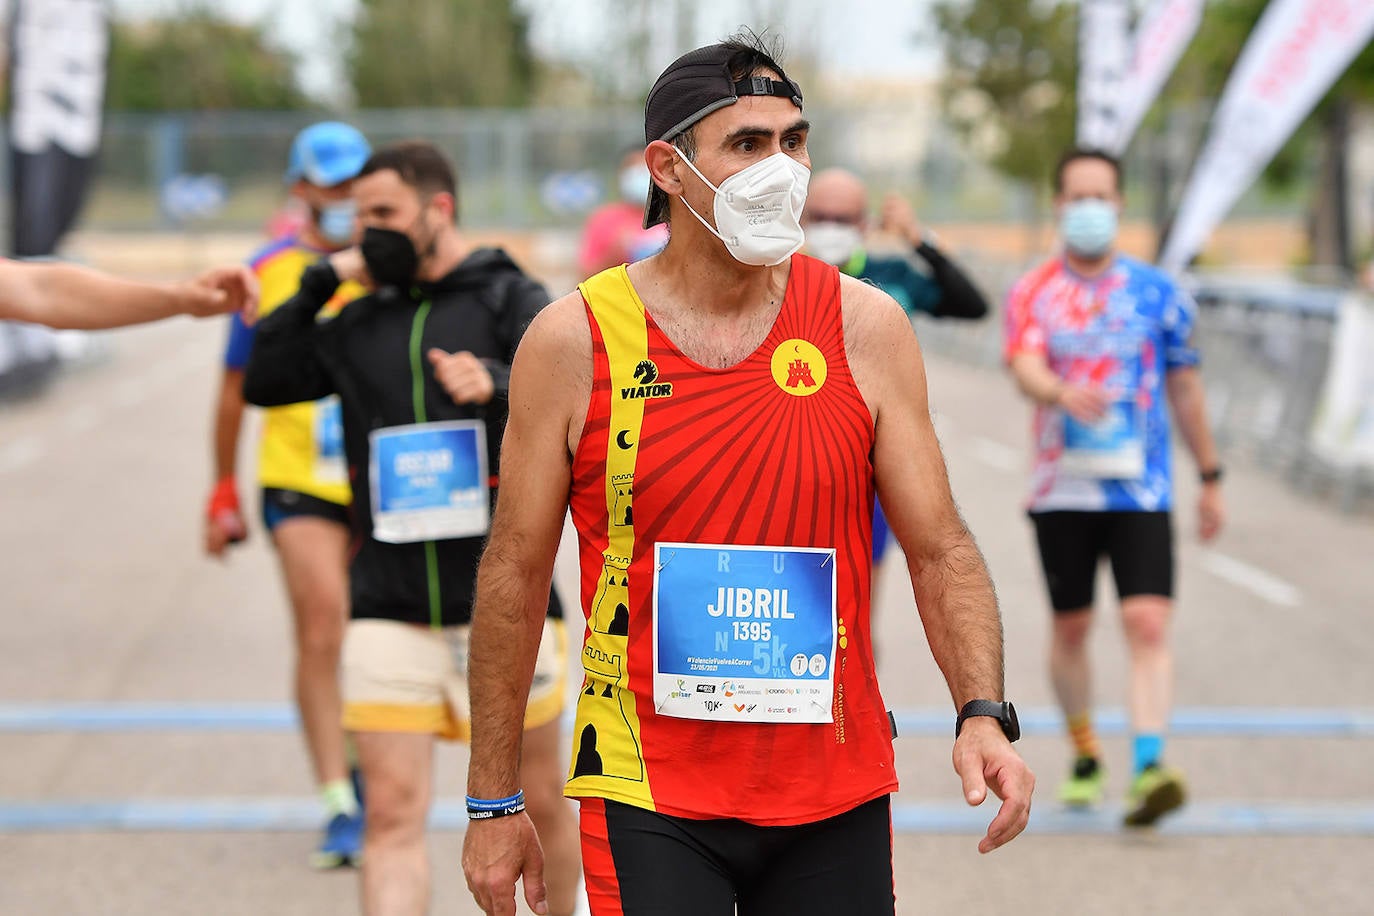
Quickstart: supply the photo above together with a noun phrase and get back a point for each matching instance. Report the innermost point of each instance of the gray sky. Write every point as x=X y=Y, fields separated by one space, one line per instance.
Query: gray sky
x=859 y=37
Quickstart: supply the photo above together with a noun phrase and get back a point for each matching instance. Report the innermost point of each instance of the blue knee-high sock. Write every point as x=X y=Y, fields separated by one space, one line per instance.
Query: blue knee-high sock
x=1147 y=750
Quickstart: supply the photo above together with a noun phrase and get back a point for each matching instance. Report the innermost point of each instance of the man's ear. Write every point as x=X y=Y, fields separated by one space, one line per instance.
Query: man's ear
x=660 y=156
x=447 y=206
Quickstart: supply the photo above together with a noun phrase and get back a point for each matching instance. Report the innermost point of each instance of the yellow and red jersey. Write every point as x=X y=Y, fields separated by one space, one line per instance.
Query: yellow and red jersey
x=766 y=461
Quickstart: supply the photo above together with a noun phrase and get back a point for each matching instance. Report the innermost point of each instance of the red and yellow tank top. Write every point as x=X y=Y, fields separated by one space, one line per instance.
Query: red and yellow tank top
x=724 y=530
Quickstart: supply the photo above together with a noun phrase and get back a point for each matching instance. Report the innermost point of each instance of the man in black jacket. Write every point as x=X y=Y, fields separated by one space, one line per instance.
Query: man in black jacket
x=421 y=366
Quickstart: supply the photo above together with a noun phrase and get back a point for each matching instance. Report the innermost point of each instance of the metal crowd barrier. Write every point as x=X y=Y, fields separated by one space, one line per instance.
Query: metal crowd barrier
x=1267 y=347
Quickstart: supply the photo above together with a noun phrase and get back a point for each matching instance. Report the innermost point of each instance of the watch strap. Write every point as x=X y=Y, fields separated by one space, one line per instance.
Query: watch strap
x=974 y=708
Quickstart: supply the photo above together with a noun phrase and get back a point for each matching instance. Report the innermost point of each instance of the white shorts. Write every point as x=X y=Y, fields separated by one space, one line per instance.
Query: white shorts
x=403 y=677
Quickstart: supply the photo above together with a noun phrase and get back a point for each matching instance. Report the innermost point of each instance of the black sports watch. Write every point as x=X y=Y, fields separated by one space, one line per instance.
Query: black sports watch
x=1004 y=713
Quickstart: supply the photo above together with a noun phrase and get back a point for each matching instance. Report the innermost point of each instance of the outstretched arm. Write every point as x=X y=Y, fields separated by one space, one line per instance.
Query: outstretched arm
x=552 y=370
x=70 y=296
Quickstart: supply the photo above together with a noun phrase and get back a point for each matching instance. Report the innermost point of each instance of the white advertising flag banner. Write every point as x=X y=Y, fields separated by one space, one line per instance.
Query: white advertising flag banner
x=1298 y=49
x=1160 y=39
x=1343 y=430
x=1103 y=53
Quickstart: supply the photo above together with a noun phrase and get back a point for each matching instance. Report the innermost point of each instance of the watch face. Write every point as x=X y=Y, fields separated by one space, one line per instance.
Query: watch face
x=1010 y=724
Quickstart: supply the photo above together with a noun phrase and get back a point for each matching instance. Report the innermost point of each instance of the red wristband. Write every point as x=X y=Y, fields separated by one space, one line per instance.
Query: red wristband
x=224 y=498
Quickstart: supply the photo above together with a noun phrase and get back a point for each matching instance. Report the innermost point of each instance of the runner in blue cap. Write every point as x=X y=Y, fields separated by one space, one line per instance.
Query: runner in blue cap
x=302 y=473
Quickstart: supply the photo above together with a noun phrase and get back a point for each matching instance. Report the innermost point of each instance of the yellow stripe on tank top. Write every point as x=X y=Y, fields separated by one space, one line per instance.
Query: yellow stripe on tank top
x=607 y=759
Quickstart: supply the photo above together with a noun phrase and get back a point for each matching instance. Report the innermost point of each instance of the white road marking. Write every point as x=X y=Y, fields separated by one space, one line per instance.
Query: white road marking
x=1251 y=578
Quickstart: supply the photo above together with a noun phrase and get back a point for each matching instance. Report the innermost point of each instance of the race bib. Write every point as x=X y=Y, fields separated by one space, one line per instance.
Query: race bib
x=330 y=464
x=744 y=634
x=1113 y=448
x=429 y=482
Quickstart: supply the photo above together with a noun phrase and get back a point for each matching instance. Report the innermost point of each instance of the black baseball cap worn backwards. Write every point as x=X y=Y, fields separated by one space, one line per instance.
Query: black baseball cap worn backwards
x=698 y=83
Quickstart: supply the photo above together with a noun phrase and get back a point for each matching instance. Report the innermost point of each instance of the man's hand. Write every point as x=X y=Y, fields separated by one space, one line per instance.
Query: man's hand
x=223 y=519
x=897 y=218
x=1211 y=511
x=220 y=290
x=349 y=265
x=495 y=853
x=1084 y=403
x=985 y=759
x=462 y=376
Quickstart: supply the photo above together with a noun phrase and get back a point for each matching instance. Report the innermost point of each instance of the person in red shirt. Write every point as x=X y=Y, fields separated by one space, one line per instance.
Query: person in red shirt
x=615 y=232
x=718 y=418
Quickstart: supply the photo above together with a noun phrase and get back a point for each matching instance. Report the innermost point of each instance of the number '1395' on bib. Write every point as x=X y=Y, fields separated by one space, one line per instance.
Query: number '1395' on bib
x=744 y=633
x=429 y=481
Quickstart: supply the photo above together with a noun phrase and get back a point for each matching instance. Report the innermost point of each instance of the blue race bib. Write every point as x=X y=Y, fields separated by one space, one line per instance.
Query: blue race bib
x=429 y=482
x=1113 y=448
x=330 y=464
x=744 y=633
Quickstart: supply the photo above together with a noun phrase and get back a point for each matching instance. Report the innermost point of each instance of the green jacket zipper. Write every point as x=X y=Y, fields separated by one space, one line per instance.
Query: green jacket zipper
x=417 y=383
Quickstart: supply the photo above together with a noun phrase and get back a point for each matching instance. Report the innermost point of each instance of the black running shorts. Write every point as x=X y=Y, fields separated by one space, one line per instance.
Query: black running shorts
x=1140 y=546
x=280 y=505
x=642 y=863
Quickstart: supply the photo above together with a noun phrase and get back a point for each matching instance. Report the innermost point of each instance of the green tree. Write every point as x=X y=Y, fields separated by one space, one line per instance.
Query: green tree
x=197 y=61
x=440 y=53
x=1011 y=79
x=1011 y=68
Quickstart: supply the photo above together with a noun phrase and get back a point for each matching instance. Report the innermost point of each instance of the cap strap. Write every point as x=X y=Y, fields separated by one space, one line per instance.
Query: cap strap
x=762 y=85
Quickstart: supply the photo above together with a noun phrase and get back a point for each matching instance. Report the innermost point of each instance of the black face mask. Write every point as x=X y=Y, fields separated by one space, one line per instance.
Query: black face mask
x=390 y=256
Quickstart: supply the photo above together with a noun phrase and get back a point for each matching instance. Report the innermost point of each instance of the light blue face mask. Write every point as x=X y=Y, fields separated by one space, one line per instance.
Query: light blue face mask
x=336 y=221
x=635 y=184
x=1088 y=227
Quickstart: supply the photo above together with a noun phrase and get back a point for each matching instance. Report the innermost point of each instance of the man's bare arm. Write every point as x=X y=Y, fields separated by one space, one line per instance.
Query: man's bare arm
x=224 y=523
x=517 y=566
x=954 y=593
x=1189 y=401
x=228 y=420
x=949 y=578
x=550 y=375
x=69 y=296
x=1039 y=382
x=1035 y=378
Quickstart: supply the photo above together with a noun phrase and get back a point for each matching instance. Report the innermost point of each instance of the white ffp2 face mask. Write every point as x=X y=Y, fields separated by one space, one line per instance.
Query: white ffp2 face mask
x=758 y=210
x=833 y=243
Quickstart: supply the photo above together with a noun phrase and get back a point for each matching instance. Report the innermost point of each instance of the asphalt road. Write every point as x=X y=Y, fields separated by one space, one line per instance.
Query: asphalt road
x=105 y=599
